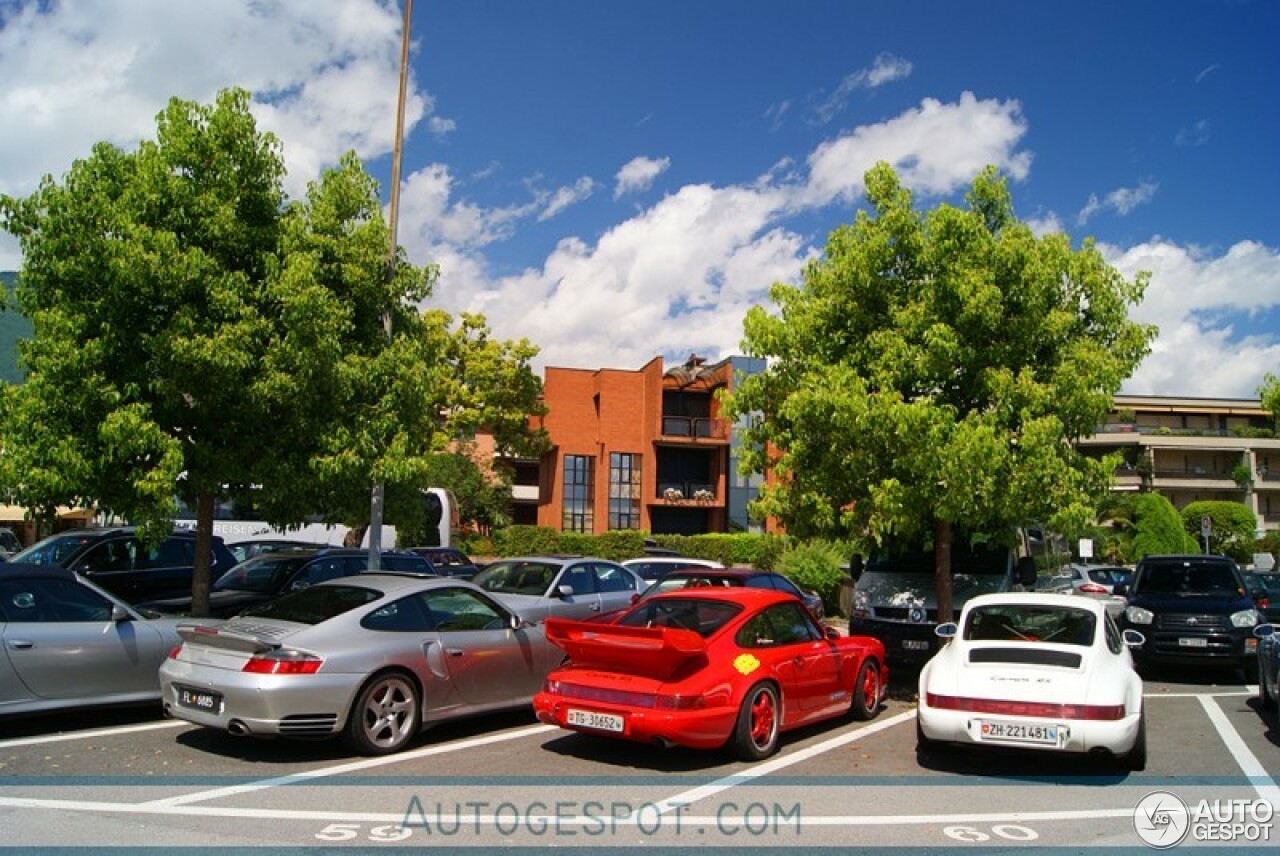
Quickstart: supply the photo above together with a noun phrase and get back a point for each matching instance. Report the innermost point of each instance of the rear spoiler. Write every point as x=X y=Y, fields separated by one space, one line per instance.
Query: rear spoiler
x=216 y=637
x=653 y=652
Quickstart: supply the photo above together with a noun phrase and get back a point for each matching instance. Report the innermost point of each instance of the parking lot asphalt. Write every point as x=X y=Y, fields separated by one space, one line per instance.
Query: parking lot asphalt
x=130 y=779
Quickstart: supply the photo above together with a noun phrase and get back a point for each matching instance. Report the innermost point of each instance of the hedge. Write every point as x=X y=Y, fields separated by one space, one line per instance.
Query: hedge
x=739 y=548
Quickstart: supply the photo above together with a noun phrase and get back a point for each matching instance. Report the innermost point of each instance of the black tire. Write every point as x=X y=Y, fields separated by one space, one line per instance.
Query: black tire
x=755 y=736
x=1136 y=758
x=866 y=692
x=386 y=714
x=1266 y=694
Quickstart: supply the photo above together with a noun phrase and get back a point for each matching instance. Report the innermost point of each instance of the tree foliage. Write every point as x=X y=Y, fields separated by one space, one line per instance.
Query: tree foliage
x=1269 y=392
x=1232 y=527
x=931 y=372
x=196 y=336
x=1158 y=528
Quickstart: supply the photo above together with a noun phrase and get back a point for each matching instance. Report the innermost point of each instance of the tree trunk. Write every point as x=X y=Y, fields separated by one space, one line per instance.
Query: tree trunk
x=942 y=567
x=200 y=577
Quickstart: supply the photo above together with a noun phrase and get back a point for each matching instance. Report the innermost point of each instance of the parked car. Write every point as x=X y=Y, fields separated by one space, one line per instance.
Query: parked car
x=733 y=578
x=561 y=586
x=448 y=562
x=1264 y=588
x=374 y=657
x=1099 y=582
x=1192 y=609
x=1049 y=672
x=1268 y=665
x=67 y=643
x=654 y=568
x=118 y=561
x=707 y=667
x=244 y=550
x=270 y=575
x=9 y=543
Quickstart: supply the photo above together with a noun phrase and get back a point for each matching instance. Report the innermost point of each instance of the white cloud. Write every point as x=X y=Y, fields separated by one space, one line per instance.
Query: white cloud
x=1192 y=291
x=324 y=75
x=638 y=174
x=886 y=69
x=566 y=196
x=1206 y=71
x=1193 y=137
x=935 y=148
x=1044 y=224
x=1122 y=201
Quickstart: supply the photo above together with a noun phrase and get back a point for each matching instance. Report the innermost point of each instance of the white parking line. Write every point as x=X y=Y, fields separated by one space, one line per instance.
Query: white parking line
x=340 y=769
x=1246 y=760
x=85 y=735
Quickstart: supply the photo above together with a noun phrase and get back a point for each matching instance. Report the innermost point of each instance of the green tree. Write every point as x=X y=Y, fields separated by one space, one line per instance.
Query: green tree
x=1232 y=527
x=931 y=372
x=1158 y=528
x=1269 y=392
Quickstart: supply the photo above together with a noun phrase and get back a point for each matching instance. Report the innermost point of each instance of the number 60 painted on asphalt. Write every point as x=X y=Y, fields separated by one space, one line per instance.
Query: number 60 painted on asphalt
x=1007 y=831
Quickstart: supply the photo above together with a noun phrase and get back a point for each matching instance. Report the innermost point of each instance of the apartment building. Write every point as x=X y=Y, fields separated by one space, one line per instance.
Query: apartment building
x=640 y=449
x=1193 y=449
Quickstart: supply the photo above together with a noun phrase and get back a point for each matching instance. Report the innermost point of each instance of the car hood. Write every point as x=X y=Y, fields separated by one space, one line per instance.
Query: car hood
x=530 y=607
x=223 y=603
x=907 y=590
x=1199 y=604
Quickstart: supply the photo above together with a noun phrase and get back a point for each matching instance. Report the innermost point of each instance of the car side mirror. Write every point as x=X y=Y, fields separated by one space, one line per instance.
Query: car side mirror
x=515 y=622
x=1027 y=571
x=635 y=597
x=1120 y=589
x=855 y=567
x=119 y=613
x=946 y=631
x=1133 y=638
x=299 y=585
x=564 y=590
x=832 y=634
x=1264 y=631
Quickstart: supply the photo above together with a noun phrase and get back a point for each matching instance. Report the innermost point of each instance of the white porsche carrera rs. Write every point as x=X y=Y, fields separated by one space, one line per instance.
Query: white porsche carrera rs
x=1035 y=671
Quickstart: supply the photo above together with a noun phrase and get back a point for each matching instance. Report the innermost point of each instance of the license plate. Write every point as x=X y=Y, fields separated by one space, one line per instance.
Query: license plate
x=1193 y=642
x=599 y=721
x=199 y=699
x=1020 y=732
x=915 y=644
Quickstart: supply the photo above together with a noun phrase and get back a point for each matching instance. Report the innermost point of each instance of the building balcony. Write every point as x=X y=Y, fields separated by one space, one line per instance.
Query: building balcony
x=1197 y=478
x=686 y=493
x=695 y=429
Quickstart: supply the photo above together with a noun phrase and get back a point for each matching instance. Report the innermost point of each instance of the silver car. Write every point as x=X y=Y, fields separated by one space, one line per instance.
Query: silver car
x=574 y=587
x=375 y=657
x=67 y=643
x=1099 y=582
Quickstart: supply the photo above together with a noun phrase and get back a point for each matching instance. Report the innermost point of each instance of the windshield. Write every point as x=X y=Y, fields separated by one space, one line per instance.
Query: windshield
x=315 y=604
x=54 y=550
x=1187 y=578
x=514 y=577
x=703 y=617
x=1026 y=623
x=1109 y=576
x=982 y=559
x=265 y=574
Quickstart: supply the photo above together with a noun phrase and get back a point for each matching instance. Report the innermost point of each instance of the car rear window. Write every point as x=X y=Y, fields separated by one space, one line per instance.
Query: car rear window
x=1031 y=623
x=315 y=604
x=704 y=617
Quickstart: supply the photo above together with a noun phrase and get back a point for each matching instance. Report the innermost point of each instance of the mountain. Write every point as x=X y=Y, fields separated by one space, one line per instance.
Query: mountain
x=13 y=326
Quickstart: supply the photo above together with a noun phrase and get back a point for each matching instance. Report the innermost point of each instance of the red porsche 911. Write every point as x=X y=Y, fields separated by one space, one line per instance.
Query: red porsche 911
x=706 y=668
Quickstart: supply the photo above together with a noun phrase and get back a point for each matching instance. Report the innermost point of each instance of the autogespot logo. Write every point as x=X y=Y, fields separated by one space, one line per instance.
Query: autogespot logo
x=1161 y=820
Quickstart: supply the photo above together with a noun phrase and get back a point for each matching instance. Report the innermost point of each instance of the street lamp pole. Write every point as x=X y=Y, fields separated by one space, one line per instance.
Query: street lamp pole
x=378 y=495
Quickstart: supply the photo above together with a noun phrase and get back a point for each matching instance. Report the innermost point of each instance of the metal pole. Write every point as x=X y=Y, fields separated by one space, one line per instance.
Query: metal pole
x=376 y=500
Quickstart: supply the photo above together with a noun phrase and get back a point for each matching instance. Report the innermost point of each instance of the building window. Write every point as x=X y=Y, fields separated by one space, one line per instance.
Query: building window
x=624 y=491
x=577 y=494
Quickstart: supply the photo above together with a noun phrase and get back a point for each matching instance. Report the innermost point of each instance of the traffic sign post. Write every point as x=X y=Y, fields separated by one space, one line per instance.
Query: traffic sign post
x=1206 y=529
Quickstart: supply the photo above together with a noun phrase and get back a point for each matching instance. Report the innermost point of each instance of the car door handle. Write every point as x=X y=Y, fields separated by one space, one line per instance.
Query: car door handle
x=454 y=652
x=595 y=607
x=21 y=644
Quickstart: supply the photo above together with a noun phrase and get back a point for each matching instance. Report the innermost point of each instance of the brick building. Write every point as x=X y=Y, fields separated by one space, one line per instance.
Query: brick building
x=640 y=449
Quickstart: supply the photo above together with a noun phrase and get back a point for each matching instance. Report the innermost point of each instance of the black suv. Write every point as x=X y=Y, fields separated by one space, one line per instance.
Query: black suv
x=119 y=562
x=270 y=575
x=1192 y=609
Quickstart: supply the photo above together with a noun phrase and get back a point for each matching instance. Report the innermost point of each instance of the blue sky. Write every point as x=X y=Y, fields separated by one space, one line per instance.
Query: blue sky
x=615 y=180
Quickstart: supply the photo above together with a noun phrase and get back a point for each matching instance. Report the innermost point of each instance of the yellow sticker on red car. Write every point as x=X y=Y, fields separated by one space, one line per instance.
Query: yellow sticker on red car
x=746 y=664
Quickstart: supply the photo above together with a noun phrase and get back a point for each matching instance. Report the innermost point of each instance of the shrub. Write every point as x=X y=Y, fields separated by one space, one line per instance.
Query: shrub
x=1158 y=528
x=817 y=565
x=526 y=540
x=1233 y=527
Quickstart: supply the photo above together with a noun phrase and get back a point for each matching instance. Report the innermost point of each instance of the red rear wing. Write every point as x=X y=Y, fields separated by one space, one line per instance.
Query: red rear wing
x=653 y=652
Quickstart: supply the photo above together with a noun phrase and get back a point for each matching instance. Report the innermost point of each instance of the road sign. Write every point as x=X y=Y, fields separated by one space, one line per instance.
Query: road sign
x=1206 y=526
x=1086 y=548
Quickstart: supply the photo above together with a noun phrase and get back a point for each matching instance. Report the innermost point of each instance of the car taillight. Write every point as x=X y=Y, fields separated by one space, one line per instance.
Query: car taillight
x=1104 y=712
x=284 y=663
x=1093 y=588
x=680 y=702
x=552 y=687
x=173 y=653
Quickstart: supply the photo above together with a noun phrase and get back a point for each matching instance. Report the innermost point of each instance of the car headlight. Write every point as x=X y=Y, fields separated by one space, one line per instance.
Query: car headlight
x=1138 y=615
x=1244 y=618
x=861 y=603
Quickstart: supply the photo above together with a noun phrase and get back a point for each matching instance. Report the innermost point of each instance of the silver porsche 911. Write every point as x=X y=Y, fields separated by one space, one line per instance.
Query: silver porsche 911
x=67 y=643
x=374 y=657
